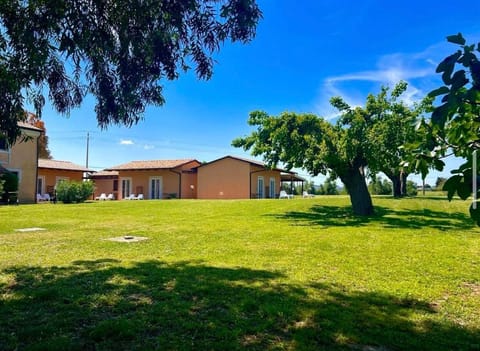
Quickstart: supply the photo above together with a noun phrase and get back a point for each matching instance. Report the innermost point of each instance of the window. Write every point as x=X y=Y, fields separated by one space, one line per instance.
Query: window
x=260 y=188
x=126 y=187
x=272 y=188
x=41 y=185
x=3 y=144
x=115 y=185
x=156 y=187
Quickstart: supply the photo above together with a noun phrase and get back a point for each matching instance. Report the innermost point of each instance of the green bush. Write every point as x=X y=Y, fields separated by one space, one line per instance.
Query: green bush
x=74 y=192
x=411 y=188
x=9 y=187
x=379 y=186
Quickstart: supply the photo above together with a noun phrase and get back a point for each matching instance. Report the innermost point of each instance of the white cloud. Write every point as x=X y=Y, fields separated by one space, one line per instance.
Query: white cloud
x=126 y=142
x=417 y=69
x=148 y=147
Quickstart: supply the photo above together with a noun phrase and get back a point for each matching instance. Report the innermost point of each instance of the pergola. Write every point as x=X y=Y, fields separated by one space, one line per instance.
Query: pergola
x=293 y=179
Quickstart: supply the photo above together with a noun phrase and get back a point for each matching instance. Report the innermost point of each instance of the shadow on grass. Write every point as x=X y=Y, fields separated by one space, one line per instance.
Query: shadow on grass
x=413 y=219
x=98 y=305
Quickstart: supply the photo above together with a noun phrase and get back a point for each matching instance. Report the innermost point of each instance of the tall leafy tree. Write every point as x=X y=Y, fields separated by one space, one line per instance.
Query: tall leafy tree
x=391 y=125
x=454 y=126
x=117 y=50
x=310 y=142
x=43 y=150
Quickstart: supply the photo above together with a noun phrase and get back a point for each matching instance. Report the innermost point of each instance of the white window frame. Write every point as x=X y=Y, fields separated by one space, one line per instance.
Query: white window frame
x=41 y=191
x=150 y=188
x=272 y=188
x=122 y=191
x=260 y=189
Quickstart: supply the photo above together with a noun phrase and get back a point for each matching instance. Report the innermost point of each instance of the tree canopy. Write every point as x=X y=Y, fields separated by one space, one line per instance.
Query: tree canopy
x=455 y=121
x=116 y=50
x=312 y=143
x=361 y=137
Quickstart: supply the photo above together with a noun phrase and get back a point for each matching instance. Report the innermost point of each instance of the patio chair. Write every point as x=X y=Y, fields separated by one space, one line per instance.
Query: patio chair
x=46 y=197
x=305 y=195
x=39 y=197
x=284 y=195
x=102 y=197
x=140 y=197
x=131 y=197
x=110 y=197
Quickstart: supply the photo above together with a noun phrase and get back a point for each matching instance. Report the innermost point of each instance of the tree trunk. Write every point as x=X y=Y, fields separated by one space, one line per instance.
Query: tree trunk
x=396 y=185
x=357 y=188
x=403 y=177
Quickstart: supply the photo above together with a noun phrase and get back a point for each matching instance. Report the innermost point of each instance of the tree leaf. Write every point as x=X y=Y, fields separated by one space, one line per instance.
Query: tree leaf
x=456 y=39
x=464 y=190
x=439 y=91
x=439 y=115
x=451 y=185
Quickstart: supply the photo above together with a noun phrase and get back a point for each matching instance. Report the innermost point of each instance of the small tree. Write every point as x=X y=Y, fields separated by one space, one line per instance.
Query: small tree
x=329 y=187
x=412 y=188
x=74 y=192
x=379 y=186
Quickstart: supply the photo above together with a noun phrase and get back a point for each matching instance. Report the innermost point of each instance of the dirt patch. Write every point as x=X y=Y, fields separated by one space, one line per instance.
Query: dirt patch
x=473 y=287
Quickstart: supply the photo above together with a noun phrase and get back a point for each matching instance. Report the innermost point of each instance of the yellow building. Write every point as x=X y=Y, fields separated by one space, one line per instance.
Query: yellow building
x=21 y=159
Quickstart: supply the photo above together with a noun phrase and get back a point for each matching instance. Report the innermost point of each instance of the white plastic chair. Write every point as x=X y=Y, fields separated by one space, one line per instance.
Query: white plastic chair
x=110 y=197
x=284 y=195
x=307 y=195
x=140 y=197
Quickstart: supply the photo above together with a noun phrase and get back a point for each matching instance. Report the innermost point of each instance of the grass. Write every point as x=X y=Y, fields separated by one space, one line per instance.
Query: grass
x=298 y=274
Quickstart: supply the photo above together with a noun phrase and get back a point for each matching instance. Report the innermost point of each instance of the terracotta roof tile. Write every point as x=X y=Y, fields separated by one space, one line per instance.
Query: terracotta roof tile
x=150 y=164
x=65 y=165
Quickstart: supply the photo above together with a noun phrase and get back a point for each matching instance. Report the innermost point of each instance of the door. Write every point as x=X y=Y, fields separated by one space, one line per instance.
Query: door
x=260 y=188
x=156 y=186
x=126 y=187
x=272 y=188
x=41 y=185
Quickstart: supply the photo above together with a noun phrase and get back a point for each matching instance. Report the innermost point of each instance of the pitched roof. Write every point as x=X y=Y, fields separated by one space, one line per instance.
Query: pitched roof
x=103 y=174
x=151 y=164
x=64 y=165
x=28 y=126
x=252 y=162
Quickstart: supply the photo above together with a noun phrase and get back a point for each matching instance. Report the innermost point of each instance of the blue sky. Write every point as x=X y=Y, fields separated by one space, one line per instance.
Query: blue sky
x=304 y=53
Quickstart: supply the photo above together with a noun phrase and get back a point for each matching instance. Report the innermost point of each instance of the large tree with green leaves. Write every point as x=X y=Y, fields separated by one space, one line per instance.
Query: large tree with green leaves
x=454 y=126
x=312 y=143
x=117 y=50
x=363 y=137
x=391 y=125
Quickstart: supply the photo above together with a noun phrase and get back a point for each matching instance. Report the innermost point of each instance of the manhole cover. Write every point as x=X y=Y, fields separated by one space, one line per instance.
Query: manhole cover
x=128 y=239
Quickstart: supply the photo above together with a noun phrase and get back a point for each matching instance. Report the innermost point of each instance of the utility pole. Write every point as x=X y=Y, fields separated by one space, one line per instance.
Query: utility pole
x=88 y=142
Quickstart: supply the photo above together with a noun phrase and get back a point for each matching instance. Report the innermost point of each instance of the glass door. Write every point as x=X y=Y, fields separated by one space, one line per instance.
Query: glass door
x=260 y=188
x=156 y=190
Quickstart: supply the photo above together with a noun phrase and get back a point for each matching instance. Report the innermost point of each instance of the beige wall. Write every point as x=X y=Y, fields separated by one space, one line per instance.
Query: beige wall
x=224 y=179
x=229 y=178
x=267 y=175
x=50 y=177
x=22 y=158
x=140 y=182
x=104 y=186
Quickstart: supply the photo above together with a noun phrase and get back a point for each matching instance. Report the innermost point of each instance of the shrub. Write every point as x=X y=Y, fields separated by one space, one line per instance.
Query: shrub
x=9 y=185
x=379 y=186
x=70 y=192
x=411 y=188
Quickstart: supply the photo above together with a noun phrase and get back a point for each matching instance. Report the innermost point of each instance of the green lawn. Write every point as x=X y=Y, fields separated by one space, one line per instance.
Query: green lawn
x=299 y=274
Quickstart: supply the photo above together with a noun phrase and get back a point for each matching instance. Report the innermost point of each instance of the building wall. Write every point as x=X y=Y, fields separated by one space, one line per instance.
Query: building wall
x=267 y=175
x=224 y=179
x=140 y=182
x=50 y=177
x=105 y=186
x=22 y=158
